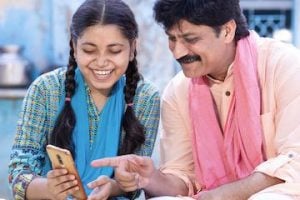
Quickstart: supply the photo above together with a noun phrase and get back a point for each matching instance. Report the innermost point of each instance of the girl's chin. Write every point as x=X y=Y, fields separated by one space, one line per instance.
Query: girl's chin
x=102 y=86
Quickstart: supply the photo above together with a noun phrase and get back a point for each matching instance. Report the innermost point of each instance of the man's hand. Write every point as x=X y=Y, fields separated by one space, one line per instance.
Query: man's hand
x=131 y=171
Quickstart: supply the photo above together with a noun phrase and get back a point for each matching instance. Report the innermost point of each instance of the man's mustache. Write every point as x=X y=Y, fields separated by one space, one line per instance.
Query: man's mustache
x=189 y=59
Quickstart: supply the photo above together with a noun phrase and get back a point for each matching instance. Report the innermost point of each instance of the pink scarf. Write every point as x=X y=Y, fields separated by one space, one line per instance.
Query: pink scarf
x=224 y=156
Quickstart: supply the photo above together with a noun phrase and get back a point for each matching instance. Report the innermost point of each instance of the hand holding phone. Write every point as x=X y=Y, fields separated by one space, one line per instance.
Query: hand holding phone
x=62 y=158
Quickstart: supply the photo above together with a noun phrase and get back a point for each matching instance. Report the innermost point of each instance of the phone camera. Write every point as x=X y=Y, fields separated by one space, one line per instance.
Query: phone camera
x=59 y=159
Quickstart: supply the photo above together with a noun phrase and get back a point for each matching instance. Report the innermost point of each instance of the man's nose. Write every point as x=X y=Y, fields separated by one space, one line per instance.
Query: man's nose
x=179 y=50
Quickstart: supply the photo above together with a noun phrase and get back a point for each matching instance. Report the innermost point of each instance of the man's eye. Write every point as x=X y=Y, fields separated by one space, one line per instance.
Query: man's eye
x=172 y=39
x=191 y=40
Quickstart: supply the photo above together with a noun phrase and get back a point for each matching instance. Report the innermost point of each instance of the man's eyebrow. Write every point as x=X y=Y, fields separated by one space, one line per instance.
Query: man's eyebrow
x=187 y=34
x=181 y=35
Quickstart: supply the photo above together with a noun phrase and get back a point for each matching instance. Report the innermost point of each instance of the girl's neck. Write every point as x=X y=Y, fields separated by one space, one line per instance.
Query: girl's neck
x=99 y=98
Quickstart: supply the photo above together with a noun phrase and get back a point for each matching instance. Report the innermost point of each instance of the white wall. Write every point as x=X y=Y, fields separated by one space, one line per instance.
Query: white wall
x=296 y=23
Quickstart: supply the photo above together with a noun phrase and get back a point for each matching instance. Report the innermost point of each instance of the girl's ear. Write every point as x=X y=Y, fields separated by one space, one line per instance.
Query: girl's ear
x=132 y=50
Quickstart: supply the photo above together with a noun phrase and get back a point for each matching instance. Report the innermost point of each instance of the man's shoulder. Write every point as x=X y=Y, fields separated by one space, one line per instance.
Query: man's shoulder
x=270 y=46
x=276 y=54
x=177 y=86
x=179 y=80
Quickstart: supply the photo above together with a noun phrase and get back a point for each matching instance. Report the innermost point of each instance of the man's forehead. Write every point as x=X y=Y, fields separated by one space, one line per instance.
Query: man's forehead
x=181 y=29
x=179 y=32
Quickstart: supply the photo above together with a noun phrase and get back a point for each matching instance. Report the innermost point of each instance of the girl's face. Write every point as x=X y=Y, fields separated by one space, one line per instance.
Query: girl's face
x=102 y=54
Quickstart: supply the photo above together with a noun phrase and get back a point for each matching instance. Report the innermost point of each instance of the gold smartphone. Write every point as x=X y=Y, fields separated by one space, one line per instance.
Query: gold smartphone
x=62 y=158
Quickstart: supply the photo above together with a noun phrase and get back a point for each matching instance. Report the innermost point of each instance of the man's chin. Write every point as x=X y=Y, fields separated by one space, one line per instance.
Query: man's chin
x=190 y=74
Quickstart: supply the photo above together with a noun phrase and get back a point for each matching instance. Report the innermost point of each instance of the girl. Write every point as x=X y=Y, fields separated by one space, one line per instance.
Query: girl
x=96 y=107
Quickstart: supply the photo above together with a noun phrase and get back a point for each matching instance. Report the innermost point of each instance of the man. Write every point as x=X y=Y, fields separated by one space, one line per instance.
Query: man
x=230 y=119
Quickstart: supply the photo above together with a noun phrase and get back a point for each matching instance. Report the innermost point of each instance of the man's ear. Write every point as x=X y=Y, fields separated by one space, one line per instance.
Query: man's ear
x=132 y=50
x=228 y=31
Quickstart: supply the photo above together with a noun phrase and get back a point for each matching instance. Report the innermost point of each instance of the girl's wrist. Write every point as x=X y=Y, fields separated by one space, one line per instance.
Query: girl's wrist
x=115 y=189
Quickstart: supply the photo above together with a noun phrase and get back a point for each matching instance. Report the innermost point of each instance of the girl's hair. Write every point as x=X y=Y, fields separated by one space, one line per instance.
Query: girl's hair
x=90 y=13
x=213 y=13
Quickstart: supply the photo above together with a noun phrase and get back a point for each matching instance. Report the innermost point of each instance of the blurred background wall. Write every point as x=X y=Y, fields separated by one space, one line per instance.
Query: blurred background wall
x=40 y=27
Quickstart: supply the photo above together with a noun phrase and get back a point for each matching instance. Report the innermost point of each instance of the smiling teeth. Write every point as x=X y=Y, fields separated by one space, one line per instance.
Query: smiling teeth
x=103 y=72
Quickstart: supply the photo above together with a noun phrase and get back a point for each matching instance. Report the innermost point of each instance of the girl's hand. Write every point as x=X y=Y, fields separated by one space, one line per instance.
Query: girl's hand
x=102 y=188
x=60 y=184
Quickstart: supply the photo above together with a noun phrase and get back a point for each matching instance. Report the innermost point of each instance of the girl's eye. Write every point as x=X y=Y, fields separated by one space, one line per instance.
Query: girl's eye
x=88 y=51
x=115 y=51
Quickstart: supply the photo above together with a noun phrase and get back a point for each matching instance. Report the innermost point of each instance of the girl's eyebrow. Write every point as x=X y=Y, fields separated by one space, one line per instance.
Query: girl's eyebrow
x=110 y=45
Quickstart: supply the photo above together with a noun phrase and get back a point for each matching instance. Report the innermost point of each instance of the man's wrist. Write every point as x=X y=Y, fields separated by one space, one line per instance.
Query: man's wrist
x=151 y=185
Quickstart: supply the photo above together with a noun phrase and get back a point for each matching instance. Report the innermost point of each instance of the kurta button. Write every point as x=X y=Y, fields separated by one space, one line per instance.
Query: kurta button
x=227 y=93
x=290 y=155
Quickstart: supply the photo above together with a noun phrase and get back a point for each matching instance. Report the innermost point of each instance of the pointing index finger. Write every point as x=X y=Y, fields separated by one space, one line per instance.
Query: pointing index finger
x=106 y=162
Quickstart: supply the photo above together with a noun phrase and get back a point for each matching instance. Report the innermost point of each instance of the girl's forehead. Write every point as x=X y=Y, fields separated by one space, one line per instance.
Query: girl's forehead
x=103 y=33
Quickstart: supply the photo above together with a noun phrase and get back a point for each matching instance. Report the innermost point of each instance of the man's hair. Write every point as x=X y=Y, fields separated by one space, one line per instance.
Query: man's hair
x=213 y=13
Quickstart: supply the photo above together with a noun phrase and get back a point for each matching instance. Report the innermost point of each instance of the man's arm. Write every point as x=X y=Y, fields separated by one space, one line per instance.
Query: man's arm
x=161 y=184
x=241 y=189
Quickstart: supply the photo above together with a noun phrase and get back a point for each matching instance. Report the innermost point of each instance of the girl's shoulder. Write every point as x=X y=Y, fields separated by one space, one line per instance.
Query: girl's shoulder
x=55 y=76
x=147 y=89
x=147 y=97
x=53 y=80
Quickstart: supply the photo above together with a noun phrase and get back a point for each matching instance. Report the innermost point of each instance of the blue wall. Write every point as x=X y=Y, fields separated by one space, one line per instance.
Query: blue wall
x=9 y=112
x=29 y=26
x=40 y=27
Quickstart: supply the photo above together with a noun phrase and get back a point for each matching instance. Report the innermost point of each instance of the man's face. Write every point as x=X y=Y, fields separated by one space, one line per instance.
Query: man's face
x=199 y=49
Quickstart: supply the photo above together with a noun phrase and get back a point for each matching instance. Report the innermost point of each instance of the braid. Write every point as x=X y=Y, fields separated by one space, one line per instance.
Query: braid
x=134 y=131
x=62 y=133
x=132 y=79
x=70 y=81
